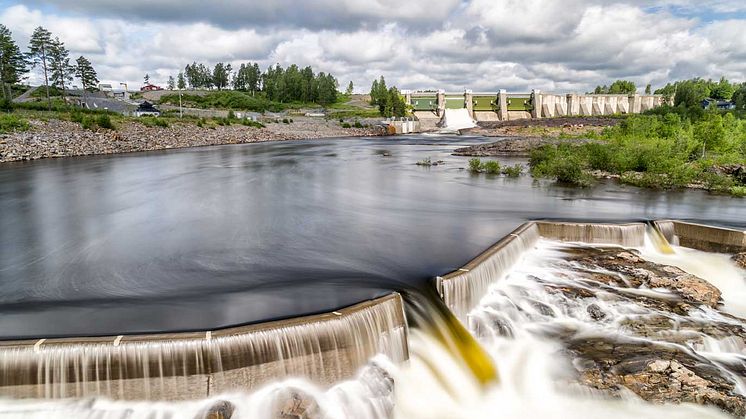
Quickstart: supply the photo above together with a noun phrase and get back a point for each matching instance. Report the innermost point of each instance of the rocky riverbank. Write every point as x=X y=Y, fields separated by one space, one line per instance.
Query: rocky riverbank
x=58 y=138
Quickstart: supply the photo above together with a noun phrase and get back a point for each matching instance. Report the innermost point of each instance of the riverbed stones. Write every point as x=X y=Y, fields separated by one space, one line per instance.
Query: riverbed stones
x=57 y=138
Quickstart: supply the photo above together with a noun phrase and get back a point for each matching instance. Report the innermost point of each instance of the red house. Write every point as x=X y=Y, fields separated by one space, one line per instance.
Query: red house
x=150 y=88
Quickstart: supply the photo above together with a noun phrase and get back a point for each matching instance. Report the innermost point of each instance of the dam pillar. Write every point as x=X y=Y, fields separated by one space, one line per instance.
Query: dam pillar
x=407 y=97
x=572 y=104
x=469 y=101
x=502 y=101
x=441 y=102
x=537 y=104
x=634 y=103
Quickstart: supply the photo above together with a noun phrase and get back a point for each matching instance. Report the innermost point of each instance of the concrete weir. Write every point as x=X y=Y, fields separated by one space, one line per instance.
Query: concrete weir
x=462 y=289
x=324 y=348
x=504 y=106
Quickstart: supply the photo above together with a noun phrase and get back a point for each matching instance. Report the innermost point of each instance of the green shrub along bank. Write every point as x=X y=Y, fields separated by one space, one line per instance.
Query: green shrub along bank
x=493 y=167
x=655 y=151
x=13 y=123
x=226 y=100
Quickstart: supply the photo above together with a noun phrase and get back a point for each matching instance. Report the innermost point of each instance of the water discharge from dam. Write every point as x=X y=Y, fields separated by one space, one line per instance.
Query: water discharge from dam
x=527 y=330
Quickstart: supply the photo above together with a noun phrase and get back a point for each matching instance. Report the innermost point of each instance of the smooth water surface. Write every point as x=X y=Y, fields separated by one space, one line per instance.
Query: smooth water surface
x=202 y=238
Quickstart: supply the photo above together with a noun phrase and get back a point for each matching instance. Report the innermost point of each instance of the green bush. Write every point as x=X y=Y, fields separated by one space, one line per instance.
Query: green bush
x=226 y=99
x=88 y=122
x=6 y=105
x=513 y=171
x=346 y=125
x=738 y=191
x=492 y=167
x=285 y=121
x=13 y=123
x=475 y=165
x=716 y=182
x=76 y=116
x=104 y=121
x=250 y=123
x=231 y=115
x=358 y=124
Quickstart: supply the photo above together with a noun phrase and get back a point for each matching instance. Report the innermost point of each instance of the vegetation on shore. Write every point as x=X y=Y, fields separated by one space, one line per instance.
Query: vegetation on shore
x=493 y=167
x=667 y=148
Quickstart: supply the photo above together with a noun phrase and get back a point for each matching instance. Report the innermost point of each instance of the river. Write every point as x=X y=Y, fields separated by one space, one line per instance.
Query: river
x=208 y=237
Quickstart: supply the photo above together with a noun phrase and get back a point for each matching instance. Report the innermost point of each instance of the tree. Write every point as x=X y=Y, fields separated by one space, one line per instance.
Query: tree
x=171 y=85
x=180 y=82
x=723 y=90
x=12 y=62
x=350 y=88
x=62 y=71
x=86 y=73
x=619 y=87
x=146 y=79
x=739 y=98
x=648 y=89
x=39 y=46
x=378 y=92
x=221 y=75
x=691 y=93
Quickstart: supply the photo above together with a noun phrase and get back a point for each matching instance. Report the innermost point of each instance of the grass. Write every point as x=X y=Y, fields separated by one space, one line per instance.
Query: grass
x=660 y=151
x=13 y=123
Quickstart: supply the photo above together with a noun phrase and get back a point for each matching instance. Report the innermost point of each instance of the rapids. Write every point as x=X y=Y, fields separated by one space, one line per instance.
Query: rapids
x=524 y=326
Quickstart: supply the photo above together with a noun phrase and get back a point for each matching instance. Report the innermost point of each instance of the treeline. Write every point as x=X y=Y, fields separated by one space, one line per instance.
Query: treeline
x=278 y=84
x=690 y=93
x=619 y=87
x=47 y=54
x=388 y=100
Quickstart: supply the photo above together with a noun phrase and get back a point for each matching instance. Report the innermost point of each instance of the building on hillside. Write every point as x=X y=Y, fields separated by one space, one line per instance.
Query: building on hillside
x=147 y=109
x=150 y=88
x=723 y=105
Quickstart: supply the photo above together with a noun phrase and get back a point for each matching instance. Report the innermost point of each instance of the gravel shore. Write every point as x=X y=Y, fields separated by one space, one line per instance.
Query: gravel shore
x=56 y=138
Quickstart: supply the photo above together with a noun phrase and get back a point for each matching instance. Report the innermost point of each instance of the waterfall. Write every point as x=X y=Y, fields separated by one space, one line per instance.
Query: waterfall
x=455 y=120
x=462 y=290
x=325 y=348
x=632 y=234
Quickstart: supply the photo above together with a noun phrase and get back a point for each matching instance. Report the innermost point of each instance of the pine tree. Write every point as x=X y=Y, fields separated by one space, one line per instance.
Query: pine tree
x=39 y=49
x=61 y=69
x=648 y=89
x=350 y=88
x=12 y=62
x=171 y=83
x=180 y=82
x=146 y=79
x=87 y=75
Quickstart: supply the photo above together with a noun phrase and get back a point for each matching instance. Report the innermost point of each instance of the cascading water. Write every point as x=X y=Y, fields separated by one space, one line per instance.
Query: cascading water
x=550 y=320
x=455 y=120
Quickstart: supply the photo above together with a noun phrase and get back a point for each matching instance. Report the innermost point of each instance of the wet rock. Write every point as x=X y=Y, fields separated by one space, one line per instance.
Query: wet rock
x=656 y=373
x=637 y=272
x=293 y=403
x=219 y=410
x=595 y=312
x=740 y=260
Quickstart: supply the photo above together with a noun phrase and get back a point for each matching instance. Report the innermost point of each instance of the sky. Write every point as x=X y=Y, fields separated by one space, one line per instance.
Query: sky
x=482 y=45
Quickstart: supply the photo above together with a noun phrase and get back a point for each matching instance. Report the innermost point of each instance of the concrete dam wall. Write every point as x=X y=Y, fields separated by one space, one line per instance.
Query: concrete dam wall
x=504 y=106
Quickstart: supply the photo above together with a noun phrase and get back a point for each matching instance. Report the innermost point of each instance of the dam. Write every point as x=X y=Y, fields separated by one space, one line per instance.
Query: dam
x=505 y=106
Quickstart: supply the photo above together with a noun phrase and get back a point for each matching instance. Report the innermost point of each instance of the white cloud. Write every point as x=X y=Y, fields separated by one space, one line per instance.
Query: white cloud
x=452 y=44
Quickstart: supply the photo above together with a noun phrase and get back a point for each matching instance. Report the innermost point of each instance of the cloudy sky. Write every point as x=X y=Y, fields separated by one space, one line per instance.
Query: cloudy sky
x=555 y=45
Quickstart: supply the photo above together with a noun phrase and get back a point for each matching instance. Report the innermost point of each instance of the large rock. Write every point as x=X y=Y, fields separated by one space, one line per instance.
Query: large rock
x=638 y=272
x=656 y=373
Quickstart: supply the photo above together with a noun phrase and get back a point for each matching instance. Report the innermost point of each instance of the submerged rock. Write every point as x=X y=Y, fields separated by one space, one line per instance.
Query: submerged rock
x=740 y=260
x=219 y=410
